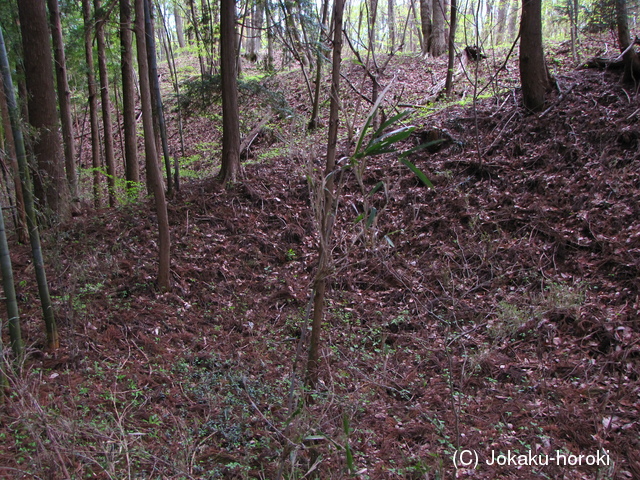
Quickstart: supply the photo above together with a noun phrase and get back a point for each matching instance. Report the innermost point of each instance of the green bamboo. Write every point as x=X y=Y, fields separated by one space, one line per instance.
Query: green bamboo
x=53 y=341
x=15 y=334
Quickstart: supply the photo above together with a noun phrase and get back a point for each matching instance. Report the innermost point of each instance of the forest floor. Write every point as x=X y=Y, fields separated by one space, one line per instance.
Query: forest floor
x=496 y=313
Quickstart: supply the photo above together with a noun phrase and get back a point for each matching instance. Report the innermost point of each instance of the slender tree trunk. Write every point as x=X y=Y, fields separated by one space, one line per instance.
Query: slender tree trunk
x=372 y=20
x=268 y=61
x=64 y=98
x=230 y=114
x=503 y=8
x=132 y=169
x=158 y=109
x=326 y=216
x=533 y=70
x=51 y=186
x=53 y=341
x=151 y=157
x=452 y=47
x=513 y=20
x=171 y=63
x=313 y=123
x=109 y=155
x=93 y=102
x=196 y=31
x=391 y=20
x=15 y=333
x=10 y=146
x=416 y=23
x=179 y=26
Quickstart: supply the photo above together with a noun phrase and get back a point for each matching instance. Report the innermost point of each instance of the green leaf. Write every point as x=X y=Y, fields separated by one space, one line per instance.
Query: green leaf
x=389 y=241
x=391 y=121
x=372 y=216
x=359 y=218
x=423 y=178
x=350 y=463
x=370 y=117
x=377 y=187
x=385 y=144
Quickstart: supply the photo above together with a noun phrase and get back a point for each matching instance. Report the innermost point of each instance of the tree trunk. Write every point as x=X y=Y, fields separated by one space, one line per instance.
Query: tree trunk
x=230 y=114
x=372 y=20
x=196 y=30
x=10 y=146
x=93 y=102
x=452 y=47
x=513 y=20
x=427 y=26
x=151 y=157
x=438 y=42
x=533 y=70
x=53 y=341
x=64 y=98
x=501 y=21
x=156 y=97
x=313 y=122
x=179 y=26
x=391 y=21
x=6 y=268
x=132 y=169
x=416 y=24
x=326 y=212
x=268 y=61
x=630 y=57
x=51 y=186
x=109 y=154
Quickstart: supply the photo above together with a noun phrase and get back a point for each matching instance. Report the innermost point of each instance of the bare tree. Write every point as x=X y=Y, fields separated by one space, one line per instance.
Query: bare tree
x=64 y=97
x=230 y=113
x=154 y=177
x=326 y=200
x=93 y=101
x=107 y=124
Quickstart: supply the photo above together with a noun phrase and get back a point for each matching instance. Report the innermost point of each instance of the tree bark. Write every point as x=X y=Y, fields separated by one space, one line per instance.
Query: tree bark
x=391 y=21
x=156 y=97
x=93 y=102
x=501 y=27
x=313 y=122
x=109 y=154
x=533 y=70
x=630 y=57
x=51 y=186
x=438 y=43
x=132 y=169
x=427 y=26
x=230 y=113
x=151 y=156
x=10 y=146
x=64 y=98
x=179 y=26
x=452 y=47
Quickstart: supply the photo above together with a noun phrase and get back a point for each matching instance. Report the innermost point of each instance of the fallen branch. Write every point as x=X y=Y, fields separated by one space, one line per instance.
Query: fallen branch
x=251 y=136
